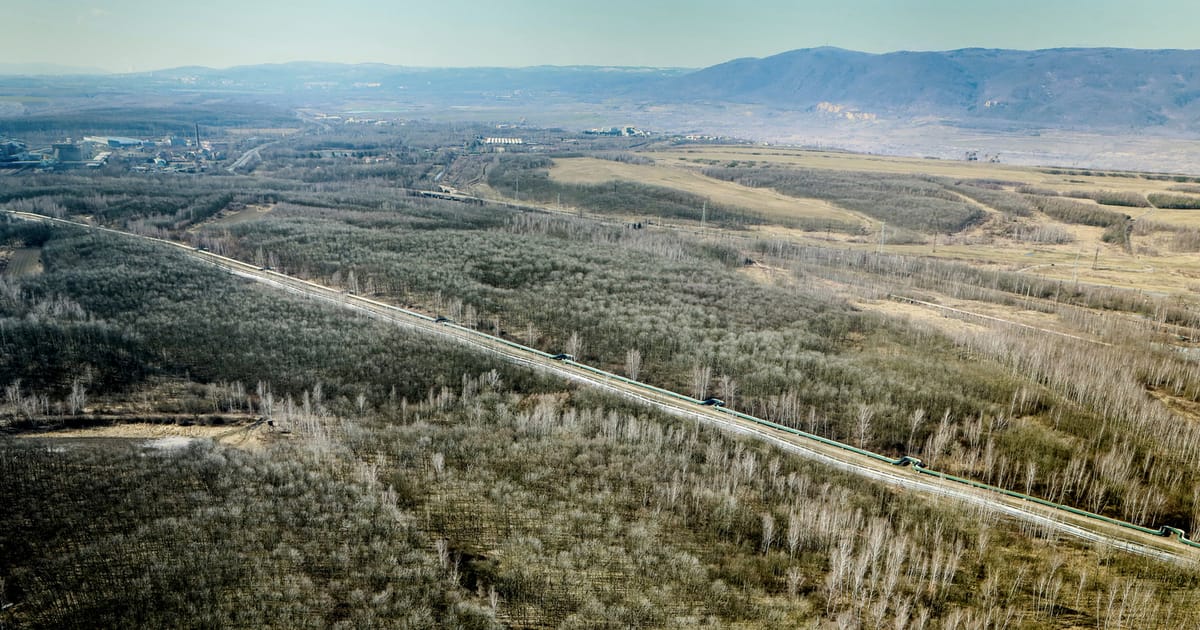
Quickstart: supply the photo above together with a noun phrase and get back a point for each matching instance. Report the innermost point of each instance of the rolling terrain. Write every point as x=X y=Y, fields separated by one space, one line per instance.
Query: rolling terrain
x=1071 y=522
x=1105 y=107
x=1093 y=88
x=366 y=423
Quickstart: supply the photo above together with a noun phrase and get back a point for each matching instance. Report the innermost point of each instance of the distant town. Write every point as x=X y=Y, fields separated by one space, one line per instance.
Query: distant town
x=170 y=154
x=195 y=153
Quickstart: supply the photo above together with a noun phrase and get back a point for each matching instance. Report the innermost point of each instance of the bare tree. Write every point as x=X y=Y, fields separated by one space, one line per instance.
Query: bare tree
x=1030 y=476
x=1195 y=512
x=768 y=531
x=574 y=345
x=443 y=551
x=914 y=422
x=728 y=388
x=794 y=579
x=77 y=399
x=439 y=463
x=633 y=363
x=701 y=374
x=793 y=533
x=863 y=424
x=12 y=392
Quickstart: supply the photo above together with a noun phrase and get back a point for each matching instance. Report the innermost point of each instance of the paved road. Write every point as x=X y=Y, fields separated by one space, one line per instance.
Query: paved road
x=251 y=156
x=1051 y=519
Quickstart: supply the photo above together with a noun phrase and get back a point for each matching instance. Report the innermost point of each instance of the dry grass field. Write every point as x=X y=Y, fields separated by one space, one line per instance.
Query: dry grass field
x=688 y=179
x=1151 y=264
x=1066 y=180
x=234 y=217
x=261 y=131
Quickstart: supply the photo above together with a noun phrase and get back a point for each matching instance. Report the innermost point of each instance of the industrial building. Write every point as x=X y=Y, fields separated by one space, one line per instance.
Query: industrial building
x=115 y=142
x=15 y=154
x=67 y=152
x=11 y=150
x=503 y=141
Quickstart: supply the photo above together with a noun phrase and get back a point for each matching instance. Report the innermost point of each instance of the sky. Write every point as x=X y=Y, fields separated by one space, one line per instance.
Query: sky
x=138 y=35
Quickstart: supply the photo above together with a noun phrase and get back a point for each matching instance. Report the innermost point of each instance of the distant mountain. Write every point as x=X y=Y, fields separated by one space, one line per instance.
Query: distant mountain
x=306 y=76
x=1120 y=90
x=1084 y=87
x=1069 y=87
x=43 y=69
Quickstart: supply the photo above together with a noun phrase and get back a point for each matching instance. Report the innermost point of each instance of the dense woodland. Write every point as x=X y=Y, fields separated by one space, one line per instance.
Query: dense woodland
x=428 y=485
x=794 y=353
x=461 y=494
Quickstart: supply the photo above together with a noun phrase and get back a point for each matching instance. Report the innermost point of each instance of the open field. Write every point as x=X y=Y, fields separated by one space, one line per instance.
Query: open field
x=1068 y=181
x=261 y=131
x=765 y=201
x=248 y=213
x=1185 y=218
x=24 y=261
x=1064 y=179
x=234 y=217
x=1151 y=262
x=249 y=436
x=1088 y=260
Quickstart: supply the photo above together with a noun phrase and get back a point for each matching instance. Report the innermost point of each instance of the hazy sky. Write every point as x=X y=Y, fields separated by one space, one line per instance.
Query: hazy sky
x=125 y=35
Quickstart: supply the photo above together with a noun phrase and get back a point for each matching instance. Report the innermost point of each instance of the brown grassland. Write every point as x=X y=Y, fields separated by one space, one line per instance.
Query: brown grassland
x=1149 y=264
x=595 y=171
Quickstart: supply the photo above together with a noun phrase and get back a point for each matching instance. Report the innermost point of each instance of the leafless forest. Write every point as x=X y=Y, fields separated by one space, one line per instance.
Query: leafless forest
x=393 y=480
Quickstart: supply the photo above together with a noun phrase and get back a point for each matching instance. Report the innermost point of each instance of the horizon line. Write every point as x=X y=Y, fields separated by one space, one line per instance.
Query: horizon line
x=70 y=70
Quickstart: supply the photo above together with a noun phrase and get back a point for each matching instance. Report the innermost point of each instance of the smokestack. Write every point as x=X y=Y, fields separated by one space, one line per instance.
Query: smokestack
x=197 y=136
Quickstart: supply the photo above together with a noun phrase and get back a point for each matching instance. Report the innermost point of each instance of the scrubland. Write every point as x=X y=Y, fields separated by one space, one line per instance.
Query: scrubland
x=409 y=482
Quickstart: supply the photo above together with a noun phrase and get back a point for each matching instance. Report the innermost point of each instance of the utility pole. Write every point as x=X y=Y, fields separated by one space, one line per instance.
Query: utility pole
x=197 y=153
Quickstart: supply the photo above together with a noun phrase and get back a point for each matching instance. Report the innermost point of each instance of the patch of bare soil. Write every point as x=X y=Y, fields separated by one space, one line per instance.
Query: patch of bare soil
x=1189 y=409
x=916 y=313
x=235 y=215
x=767 y=274
x=249 y=436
